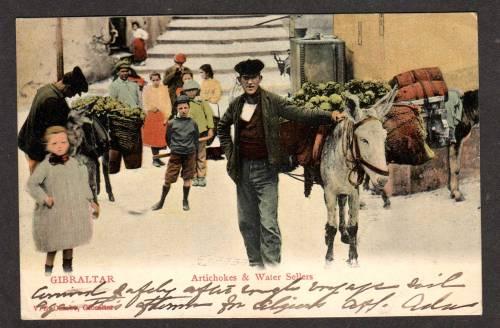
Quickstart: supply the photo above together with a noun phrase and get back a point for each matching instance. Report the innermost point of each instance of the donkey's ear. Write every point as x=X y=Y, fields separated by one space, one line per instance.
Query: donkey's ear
x=384 y=104
x=352 y=105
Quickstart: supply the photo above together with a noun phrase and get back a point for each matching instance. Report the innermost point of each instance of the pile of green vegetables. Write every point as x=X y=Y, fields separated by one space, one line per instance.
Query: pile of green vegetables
x=99 y=105
x=332 y=95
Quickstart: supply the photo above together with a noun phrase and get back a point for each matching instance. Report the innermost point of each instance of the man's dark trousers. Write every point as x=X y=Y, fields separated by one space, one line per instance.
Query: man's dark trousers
x=257 y=195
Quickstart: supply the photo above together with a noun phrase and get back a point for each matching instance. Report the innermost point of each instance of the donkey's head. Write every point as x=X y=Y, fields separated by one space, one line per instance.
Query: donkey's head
x=369 y=140
x=470 y=101
x=76 y=134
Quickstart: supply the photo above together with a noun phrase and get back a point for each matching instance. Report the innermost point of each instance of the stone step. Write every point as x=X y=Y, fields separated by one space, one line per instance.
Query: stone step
x=222 y=54
x=225 y=24
x=221 y=41
x=220 y=50
x=215 y=41
x=213 y=37
x=219 y=65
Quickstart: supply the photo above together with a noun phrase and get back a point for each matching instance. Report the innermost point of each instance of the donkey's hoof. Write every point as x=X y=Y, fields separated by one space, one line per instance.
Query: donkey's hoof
x=353 y=263
x=387 y=205
x=329 y=257
x=457 y=195
x=111 y=197
x=344 y=237
x=156 y=207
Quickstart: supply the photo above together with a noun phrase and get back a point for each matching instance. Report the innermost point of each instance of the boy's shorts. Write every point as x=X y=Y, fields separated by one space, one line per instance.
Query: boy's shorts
x=176 y=162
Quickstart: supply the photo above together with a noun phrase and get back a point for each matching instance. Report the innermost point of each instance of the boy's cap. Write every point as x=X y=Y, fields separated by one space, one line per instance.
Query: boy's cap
x=190 y=85
x=180 y=58
x=182 y=99
x=249 y=67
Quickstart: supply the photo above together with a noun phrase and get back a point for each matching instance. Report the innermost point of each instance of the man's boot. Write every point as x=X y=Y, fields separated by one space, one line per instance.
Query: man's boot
x=185 y=203
x=164 y=193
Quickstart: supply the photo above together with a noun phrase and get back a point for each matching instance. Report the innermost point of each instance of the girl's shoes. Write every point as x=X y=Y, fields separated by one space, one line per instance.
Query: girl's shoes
x=68 y=265
x=48 y=269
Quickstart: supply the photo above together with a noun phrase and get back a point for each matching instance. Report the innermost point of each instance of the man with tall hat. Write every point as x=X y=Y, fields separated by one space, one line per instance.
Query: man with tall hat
x=49 y=108
x=254 y=155
x=173 y=77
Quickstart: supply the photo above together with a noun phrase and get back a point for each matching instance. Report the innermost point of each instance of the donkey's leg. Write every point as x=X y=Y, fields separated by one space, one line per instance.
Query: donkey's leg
x=352 y=227
x=105 y=171
x=98 y=176
x=342 y=199
x=92 y=169
x=331 y=224
x=386 y=199
x=454 y=153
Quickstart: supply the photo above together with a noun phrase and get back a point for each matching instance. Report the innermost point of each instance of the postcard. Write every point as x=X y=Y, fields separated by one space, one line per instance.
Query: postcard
x=202 y=219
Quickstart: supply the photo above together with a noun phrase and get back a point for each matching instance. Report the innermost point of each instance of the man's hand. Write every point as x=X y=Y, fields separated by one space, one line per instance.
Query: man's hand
x=338 y=116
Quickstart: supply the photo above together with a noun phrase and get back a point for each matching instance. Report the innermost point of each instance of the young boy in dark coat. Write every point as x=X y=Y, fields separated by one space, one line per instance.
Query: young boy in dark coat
x=182 y=139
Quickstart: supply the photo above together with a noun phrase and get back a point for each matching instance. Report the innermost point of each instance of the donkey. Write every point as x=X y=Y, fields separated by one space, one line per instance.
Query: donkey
x=283 y=64
x=90 y=141
x=470 y=118
x=355 y=146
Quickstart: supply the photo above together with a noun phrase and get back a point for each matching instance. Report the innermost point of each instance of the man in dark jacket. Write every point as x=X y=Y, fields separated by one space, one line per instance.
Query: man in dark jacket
x=254 y=157
x=173 y=77
x=49 y=108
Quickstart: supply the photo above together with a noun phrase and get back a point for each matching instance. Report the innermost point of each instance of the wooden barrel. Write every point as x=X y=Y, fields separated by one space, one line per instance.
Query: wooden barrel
x=421 y=74
x=421 y=90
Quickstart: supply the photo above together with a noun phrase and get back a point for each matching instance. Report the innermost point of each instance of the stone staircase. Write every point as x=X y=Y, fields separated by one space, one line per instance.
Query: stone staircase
x=221 y=41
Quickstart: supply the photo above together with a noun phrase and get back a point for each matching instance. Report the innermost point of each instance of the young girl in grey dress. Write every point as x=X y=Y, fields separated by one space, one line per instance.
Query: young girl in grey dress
x=64 y=205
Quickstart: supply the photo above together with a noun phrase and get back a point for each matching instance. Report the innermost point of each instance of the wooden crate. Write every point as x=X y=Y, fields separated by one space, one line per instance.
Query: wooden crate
x=407 y=179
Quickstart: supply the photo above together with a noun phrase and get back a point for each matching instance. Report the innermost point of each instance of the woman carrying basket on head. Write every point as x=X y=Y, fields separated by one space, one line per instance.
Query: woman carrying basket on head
x=211 y=92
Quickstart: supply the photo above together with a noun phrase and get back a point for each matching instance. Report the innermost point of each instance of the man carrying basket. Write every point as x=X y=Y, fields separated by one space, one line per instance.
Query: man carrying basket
x=128 y=93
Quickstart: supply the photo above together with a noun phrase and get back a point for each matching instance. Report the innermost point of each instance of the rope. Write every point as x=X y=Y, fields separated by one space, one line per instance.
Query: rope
x=297 y=177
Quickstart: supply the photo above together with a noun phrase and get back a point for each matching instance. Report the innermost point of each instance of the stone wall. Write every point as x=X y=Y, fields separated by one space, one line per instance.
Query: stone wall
x=36 y=49
x=383 y=45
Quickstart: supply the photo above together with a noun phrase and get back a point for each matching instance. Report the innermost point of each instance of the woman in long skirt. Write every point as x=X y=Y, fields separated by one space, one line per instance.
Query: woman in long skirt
x=158 y=108
x=139 y=38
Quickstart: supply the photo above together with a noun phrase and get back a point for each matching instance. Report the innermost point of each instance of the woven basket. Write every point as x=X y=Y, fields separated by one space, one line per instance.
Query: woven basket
x=406 y=136
x=125 y=132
